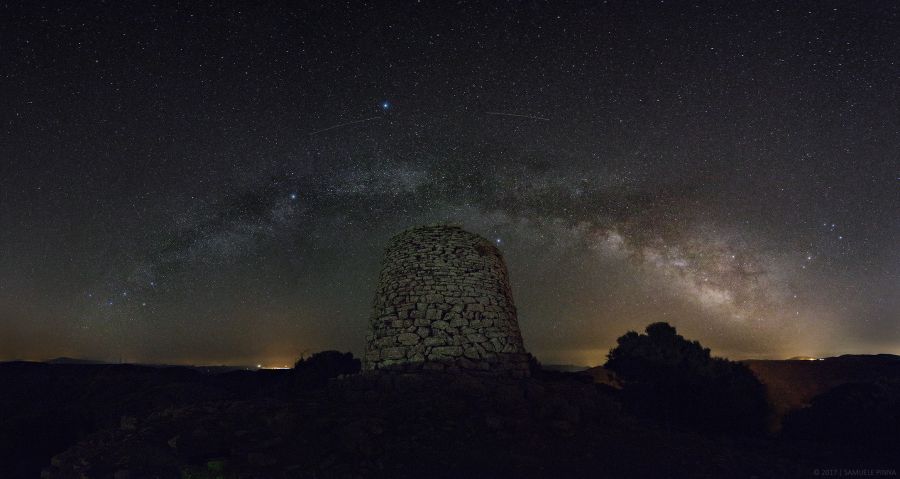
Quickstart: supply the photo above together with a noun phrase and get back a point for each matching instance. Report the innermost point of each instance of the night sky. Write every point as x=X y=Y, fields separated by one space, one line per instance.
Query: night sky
x=215 y=183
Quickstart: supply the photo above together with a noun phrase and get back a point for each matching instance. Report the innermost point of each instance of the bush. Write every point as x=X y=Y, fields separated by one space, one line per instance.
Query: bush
x=672 y=379
x=322 y=366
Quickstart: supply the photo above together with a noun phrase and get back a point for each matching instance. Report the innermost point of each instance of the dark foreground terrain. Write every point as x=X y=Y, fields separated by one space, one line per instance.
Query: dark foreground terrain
x=792 y=384
x=122 y=421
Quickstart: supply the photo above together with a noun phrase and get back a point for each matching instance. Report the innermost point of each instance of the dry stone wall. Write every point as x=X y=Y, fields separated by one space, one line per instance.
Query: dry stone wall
x=443 y=302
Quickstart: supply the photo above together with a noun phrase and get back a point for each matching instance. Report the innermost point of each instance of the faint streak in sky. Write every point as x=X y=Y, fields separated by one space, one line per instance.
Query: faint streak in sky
x=518 y=115
x=345 y=124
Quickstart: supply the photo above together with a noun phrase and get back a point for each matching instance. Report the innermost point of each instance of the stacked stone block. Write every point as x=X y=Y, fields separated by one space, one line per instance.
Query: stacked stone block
x=443 y=302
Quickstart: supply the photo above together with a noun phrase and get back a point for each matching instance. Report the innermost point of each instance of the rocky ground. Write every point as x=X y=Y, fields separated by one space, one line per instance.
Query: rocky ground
x=421 y=425
x=131 y=422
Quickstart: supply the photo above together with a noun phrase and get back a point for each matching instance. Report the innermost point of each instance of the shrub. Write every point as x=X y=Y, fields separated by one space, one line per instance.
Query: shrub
x=672 y=379
x=322 y=366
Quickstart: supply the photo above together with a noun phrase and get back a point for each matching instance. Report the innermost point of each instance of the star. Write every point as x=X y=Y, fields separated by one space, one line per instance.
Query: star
x=581 y=202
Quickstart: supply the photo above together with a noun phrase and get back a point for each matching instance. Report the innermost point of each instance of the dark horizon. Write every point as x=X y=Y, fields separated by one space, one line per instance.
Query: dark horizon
x=276 y=365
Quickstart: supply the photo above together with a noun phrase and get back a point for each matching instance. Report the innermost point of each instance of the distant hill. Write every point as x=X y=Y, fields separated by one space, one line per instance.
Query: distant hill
x=568 y=368
x=220 y=369
x=65 y=360
x=96 y=362
x=792 y=383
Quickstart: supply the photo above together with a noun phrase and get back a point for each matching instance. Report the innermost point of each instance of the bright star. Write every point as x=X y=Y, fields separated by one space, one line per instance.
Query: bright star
x=293 y=196
x=385 y=105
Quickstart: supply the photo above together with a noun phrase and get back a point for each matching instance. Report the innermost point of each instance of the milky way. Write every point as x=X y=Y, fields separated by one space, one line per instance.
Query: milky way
x=216 y=184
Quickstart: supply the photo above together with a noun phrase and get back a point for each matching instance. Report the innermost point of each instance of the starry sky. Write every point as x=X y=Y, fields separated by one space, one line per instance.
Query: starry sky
x=214 y=183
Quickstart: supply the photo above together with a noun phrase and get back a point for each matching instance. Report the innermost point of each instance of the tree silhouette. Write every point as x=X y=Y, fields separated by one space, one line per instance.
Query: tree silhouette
x=670 y=378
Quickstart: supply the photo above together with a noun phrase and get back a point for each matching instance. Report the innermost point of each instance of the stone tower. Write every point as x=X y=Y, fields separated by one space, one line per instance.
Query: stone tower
x=443 y=302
